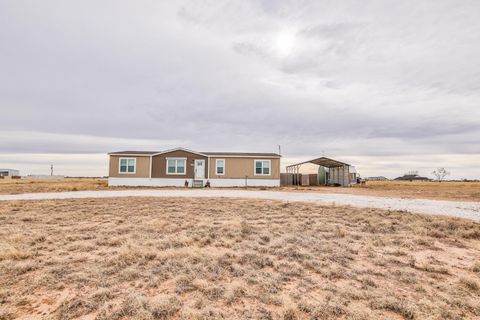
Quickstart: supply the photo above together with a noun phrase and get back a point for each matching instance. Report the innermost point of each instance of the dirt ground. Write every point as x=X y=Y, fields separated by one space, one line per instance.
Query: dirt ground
x=150 y=258
x=464 y=191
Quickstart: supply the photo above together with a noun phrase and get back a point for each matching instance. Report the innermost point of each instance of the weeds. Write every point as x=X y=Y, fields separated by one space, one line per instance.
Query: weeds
x=146 y=258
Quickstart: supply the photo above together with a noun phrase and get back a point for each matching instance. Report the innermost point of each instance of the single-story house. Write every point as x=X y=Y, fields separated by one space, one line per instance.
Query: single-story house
x=9 y=173
x=177 y=166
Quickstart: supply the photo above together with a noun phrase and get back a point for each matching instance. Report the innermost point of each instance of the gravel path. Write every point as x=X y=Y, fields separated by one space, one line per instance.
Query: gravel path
x=469 y=210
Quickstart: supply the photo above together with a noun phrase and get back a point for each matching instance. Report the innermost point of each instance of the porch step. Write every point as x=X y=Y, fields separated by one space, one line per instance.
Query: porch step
x=197 y=183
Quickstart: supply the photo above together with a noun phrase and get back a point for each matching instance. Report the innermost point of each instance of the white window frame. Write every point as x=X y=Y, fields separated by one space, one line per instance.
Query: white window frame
x=176 y=166
x=262 y=174
x=216 y=167
x=126 y=172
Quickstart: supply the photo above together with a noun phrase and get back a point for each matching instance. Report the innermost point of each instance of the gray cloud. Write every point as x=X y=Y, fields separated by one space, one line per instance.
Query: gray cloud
x=369 y=79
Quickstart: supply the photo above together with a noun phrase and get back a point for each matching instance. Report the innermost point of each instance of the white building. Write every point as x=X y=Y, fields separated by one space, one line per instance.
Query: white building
x=9 y=173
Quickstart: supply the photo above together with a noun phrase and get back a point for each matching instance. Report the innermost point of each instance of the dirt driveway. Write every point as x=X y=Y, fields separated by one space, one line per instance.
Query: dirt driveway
x=469 y=210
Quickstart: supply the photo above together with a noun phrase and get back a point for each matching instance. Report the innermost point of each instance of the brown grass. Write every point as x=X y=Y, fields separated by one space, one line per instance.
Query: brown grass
x=16 y=186
x=464 y=191
x=144 y=258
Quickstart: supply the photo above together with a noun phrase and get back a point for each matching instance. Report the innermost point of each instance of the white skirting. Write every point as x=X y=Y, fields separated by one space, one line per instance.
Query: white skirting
x=179 y=182
x=243 y=182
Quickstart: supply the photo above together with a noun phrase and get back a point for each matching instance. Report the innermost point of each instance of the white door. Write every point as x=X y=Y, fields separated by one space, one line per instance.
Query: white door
x=199 y=169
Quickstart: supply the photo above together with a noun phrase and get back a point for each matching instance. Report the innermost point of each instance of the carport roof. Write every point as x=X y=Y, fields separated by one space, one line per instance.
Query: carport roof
x=324 y=162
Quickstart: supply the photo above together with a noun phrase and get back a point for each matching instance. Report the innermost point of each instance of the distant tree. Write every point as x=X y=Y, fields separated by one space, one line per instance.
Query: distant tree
x=440 y=174
x=412 y=173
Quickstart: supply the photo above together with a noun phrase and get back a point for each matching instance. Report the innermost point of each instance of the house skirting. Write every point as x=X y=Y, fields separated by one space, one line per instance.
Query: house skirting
x=180 y=182
x=245 y=182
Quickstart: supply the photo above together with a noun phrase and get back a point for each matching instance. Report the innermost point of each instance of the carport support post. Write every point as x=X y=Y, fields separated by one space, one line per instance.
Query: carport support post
x=294 y=176
x=299 y=182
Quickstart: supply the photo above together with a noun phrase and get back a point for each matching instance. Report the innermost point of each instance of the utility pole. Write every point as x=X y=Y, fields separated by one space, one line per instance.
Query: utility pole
x=279 y=150
x=51 y=170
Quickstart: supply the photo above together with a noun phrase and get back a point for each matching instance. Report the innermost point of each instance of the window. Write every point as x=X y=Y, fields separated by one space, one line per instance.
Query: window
x=176 y=165
x=127 y=165
x=220 y=167
x=262 y=167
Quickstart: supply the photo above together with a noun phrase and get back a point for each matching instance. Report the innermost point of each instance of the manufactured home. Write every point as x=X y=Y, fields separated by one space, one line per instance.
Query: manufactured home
x=180 y=167
x=9 y=173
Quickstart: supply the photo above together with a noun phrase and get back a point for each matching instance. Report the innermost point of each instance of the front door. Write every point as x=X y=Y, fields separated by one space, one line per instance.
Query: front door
x=199 y=169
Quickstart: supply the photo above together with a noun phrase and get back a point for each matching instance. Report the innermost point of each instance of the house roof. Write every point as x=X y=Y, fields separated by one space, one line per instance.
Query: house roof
x=209 y=153
x=147 y=153
x=242 y=154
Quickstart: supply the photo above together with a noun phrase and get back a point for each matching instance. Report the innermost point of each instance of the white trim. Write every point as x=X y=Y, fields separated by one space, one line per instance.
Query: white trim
x=176 y=166
x=216 y=167
x=129 y=154
x=180 y=182
x=134 y=165
x=180 y=149
x=208 y=167
x=151 y=167
x=239 y=156
x=262 y=174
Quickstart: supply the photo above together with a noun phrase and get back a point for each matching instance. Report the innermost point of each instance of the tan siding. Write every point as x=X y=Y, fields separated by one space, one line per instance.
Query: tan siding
x=142 y=170
x=159 y=169
x=238 y=168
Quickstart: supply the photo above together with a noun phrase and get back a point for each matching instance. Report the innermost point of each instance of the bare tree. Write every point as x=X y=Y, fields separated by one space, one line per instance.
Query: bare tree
x=412 y=173
x=440 y=173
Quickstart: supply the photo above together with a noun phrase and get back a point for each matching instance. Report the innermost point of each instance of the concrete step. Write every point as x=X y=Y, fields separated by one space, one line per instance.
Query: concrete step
x=197 y=183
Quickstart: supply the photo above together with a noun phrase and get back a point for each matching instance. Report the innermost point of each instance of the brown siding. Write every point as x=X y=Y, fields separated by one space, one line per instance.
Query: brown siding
x=159 y=169
x=142 y=170
x=238 y=168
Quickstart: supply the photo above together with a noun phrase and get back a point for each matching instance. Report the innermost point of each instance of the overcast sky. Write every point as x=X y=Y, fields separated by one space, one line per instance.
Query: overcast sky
x=389 y=86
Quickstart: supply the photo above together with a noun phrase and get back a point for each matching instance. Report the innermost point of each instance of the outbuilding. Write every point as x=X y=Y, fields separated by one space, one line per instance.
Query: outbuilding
x=330 y=172
x=9 y=173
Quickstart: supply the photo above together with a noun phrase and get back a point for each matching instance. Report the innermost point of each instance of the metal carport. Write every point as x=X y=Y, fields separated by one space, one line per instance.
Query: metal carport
x=338 y=171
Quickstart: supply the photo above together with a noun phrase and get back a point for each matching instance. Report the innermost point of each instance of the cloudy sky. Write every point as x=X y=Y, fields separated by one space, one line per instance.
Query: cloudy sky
x=389 y=86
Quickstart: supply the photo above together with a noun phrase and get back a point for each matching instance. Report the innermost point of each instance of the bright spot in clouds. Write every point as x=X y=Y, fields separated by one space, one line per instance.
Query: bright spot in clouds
x=285 y=43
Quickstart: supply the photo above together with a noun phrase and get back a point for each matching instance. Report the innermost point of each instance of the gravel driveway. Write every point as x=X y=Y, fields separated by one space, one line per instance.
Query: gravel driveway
x=470 y=210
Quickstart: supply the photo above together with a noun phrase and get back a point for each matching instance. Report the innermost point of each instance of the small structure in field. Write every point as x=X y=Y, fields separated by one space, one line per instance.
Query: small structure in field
x=330 y=172
x=9 y=173
x=379 y=178
x=412 y=177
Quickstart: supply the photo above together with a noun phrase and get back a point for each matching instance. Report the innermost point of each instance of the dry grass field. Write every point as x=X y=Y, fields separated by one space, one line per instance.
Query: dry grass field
x=144 y=258
x=461 y=191
x=17 y=186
